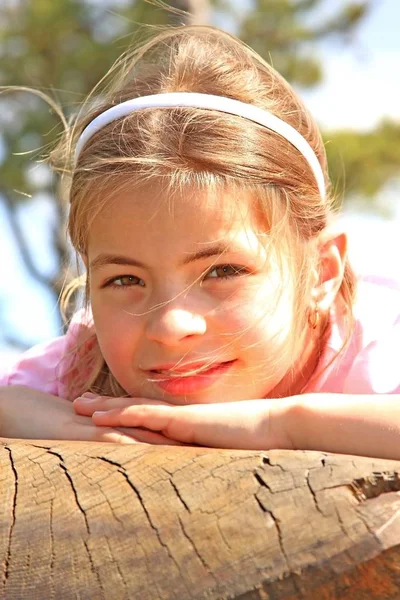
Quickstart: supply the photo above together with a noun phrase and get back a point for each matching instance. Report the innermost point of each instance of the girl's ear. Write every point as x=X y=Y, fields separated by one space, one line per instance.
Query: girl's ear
x=332 y=247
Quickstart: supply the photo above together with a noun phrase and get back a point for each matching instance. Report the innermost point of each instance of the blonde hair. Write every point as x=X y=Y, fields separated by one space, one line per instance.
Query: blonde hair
x=200 y=148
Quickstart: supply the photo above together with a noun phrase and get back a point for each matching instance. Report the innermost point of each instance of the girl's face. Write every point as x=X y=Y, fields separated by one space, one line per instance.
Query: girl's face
x=189 y=283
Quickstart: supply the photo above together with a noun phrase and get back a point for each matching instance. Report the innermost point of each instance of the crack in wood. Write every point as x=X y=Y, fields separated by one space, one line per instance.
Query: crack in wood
x=275 y=519
x=37 y=464
x=123 y=472
x=52 y=553
x=64 y=468
x=313 y=493
x=93 y=568
x=353 y=511
x=342 y=525
x=109 y=461
x=267 y=461
x=196 y=551
x=7 y=558
x=175 y=487
x=223 y=538
x=261 y=481
x=115 y=562
x=369 y=528
x=376 y=484
x=280 y=540
x=366 y=488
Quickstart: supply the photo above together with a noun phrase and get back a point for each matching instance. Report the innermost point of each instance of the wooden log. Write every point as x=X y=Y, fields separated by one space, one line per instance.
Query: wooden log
x=92 y=521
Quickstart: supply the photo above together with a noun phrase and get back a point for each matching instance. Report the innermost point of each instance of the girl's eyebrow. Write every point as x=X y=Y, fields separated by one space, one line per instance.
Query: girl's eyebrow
x=103 y=260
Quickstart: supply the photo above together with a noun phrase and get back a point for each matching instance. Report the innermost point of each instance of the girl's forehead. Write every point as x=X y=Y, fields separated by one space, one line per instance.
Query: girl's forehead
x=154 y=207
x=150 y=223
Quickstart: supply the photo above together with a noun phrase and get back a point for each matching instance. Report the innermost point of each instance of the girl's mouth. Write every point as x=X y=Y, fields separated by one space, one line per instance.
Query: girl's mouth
x=178 y=383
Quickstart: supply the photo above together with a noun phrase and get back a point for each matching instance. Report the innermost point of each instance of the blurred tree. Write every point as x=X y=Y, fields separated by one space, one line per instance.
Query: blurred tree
x=64 y=47
x=361 y=163
x=286 y=31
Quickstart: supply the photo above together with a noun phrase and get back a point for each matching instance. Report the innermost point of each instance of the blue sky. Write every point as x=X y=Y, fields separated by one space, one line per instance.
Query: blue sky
x=361 y=86
x=362 y=81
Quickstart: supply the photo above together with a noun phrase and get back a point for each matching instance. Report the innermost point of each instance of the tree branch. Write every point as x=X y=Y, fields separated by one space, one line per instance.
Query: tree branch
x=20 y=241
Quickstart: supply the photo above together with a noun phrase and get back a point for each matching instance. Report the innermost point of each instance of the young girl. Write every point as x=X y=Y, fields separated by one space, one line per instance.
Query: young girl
x=220 y=307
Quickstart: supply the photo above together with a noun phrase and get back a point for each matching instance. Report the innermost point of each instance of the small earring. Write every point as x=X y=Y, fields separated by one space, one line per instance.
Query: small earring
x=313 y=316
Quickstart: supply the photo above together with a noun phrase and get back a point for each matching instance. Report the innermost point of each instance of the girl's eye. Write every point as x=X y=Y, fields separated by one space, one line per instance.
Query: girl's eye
x=226 y=272
x=125 y=281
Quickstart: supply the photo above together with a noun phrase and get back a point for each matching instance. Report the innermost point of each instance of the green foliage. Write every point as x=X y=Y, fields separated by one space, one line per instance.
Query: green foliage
x=64 y=47
x=285 y=31
x=361 y=163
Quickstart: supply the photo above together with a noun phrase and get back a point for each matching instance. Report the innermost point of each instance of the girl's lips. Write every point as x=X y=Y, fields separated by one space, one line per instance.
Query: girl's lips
x=178 y=368
x=192 y=383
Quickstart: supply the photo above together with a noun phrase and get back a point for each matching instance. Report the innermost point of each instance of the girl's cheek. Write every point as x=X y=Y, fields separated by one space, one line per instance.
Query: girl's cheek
x=260 y=319
x=115 y=334
x=231 y=317
x=246 y=325
x=252 y=306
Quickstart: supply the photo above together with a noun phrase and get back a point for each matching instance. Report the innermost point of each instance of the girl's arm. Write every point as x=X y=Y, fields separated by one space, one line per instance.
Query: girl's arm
x=26 y=413
x=367 y=425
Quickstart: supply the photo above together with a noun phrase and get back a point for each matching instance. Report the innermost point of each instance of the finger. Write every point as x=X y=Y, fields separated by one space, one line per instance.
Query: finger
x=108 y=434
x=87 y=434
x=155 y=418
x=241 y=425
x=149 y=437
x=180 y=424
x=83 y=428
x=87 y=405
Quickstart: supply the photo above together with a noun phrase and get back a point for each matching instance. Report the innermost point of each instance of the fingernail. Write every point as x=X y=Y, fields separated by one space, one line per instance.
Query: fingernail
x=87 y=398
x=99 y=413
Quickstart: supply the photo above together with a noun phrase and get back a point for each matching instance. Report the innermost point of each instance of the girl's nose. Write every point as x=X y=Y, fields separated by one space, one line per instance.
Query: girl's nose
x=170 y=326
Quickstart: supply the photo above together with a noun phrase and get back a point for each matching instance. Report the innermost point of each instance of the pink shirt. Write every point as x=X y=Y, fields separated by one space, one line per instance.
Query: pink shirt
x=371 y=362
x=369 y=365
x=45 y=367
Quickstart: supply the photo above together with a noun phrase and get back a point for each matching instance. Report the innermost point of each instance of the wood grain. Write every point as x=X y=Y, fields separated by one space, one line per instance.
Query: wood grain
x=99 y=521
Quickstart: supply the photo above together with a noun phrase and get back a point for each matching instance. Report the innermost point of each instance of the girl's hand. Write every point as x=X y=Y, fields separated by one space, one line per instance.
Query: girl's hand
x=248 y=424
x=366 y=425
x=30 y=414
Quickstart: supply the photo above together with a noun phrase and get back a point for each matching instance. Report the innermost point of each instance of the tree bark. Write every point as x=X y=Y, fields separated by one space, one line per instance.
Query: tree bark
x=91 y=521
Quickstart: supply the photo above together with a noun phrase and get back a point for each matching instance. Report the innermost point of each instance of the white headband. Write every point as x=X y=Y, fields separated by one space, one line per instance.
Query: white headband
x=207 y=101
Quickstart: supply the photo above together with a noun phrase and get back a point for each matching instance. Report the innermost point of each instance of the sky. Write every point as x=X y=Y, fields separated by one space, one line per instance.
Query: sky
x=360 y=84
x=360 y=87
